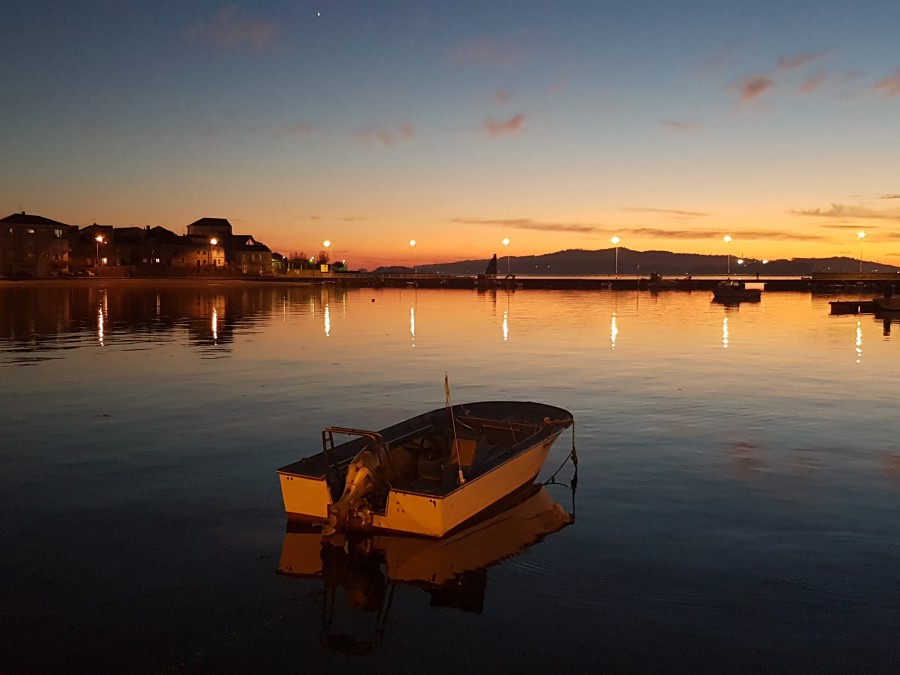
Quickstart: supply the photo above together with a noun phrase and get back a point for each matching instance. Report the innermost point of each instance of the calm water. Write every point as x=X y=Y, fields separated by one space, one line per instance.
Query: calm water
x=737 y=503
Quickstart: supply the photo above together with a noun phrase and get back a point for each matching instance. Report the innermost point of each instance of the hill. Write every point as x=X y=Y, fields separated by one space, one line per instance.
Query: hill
x=579 y=262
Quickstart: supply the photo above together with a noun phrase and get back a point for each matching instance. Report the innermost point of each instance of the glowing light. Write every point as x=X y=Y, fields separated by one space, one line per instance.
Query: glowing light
x=327 y=322
x=858 y=341
x=613 y=332
x=505 y=242
x=412 y=242
x=412 y=324
x=725 y=333
x=506 y=325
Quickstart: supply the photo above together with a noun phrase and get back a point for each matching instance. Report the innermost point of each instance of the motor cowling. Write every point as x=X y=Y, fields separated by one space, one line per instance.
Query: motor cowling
x=365 y=477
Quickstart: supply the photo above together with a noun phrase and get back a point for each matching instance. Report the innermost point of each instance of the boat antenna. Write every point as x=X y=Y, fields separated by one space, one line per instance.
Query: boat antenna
x=462 y=479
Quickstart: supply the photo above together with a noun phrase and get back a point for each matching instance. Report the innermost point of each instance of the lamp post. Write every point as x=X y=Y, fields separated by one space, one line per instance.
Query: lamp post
x=412 y=244
x=615 y=241
x=505 y=242
x=212 y=242
x=727 y=240
x=860 y=235
x=99 y=241
x=327 y=245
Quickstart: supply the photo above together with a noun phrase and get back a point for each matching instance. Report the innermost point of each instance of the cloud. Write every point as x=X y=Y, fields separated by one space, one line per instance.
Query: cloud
x=669 y=212
x=659 y=233
x=793 y=62
x=226 y=30
x=528 y=224
x=752 y=87
x=486 y=54
x=502 y=96
x=813 y=82
x=681 y=127
x=384 y=135
x=844 y=212
x=889 y=197
x=889 y=86
x=504 y=127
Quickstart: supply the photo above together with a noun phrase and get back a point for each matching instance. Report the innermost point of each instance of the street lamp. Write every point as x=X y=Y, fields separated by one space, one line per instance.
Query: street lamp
x=861 y=235
x=505 y=242
x=615 y=241
x=727 y=240
x=99 y=241
x=412 y=243
x=327 y=244
x=212 y=242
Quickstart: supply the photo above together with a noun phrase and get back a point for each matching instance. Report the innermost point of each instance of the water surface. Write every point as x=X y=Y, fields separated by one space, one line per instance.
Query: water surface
x=737 y=503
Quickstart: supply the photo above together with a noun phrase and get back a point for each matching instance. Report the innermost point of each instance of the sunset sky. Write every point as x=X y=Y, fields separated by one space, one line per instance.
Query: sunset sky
x=555 y=124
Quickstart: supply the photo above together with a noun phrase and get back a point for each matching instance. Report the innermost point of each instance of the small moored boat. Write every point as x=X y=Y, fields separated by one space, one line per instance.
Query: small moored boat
x=425 y=476
x=732 y=290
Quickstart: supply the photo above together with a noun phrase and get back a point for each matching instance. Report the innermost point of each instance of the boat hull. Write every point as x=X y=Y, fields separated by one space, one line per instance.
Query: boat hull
x=418 y=507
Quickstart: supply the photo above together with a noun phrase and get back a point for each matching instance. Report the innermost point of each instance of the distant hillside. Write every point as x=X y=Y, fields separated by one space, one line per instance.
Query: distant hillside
x=578 y=262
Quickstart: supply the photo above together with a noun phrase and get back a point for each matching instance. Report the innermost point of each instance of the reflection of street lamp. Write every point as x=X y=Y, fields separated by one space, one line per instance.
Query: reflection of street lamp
x=412 y=243
x=615 y=241
x=861 y=235
x=327 y=244
x=99 y=241
x=212 y=242
x=505 y=242
x=727 y=240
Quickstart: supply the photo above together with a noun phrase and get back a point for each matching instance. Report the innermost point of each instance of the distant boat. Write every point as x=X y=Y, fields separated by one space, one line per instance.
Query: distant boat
x=425 y=476
x=731 y=291
x=658 y=283
x=887 y=302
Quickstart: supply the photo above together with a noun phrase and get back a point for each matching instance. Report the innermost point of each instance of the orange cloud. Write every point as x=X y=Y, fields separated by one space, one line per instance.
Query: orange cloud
x=669 y=212
x=842 y=211
x=511 y=126
x=812 y=83
x=385 y=136
x=226 y=30
x=528 y=224
x=889 y=86
x=752 y=87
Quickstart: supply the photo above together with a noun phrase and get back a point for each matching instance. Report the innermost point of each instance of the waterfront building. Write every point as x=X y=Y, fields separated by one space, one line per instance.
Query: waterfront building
x=33 y=246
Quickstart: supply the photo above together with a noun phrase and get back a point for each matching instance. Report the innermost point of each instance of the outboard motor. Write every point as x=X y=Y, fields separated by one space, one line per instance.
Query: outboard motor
x=365 y=476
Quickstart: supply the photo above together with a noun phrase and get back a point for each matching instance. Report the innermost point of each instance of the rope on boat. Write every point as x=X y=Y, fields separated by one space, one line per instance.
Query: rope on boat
x=461 y=478
x=573 y=455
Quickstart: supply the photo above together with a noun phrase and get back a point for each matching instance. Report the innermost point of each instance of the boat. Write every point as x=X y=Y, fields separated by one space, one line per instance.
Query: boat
x=657 y=283
x=732 y=290
x=425 y=476
x=887 y=303
x=367 y=567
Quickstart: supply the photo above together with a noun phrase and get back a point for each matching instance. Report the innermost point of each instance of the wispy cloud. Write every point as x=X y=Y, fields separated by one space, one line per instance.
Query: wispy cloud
x=752 y=87
x=845 y=212
x=227 y=30
x=812 y=83
x=529 y=224
x=680 y=126
x=513 y=125
x=798 y=61
x=486 y=54
x=385 y=136
x=889 y=197
x=889 y=86
x=667 y=212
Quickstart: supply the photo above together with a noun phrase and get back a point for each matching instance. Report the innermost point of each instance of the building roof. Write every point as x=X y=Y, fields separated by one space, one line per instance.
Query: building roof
x=211 y=222
x=29 y=219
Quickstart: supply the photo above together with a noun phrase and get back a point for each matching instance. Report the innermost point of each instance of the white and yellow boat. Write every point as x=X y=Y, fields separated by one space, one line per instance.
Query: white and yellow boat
x=425 y=476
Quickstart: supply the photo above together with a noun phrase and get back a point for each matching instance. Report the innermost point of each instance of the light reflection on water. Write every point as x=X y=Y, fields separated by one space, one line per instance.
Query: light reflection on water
x=737 y=502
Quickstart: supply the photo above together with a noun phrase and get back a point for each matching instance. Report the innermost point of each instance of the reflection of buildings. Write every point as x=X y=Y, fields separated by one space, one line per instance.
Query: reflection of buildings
x=452 y=570
x=36 y=317
x=34 y=246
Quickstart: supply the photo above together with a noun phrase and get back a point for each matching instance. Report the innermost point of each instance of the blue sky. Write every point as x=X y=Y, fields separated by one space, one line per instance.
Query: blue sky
x=557 y=125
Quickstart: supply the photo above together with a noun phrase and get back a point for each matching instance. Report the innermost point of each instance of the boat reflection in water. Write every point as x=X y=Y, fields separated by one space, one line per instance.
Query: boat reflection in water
x=452 y=570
